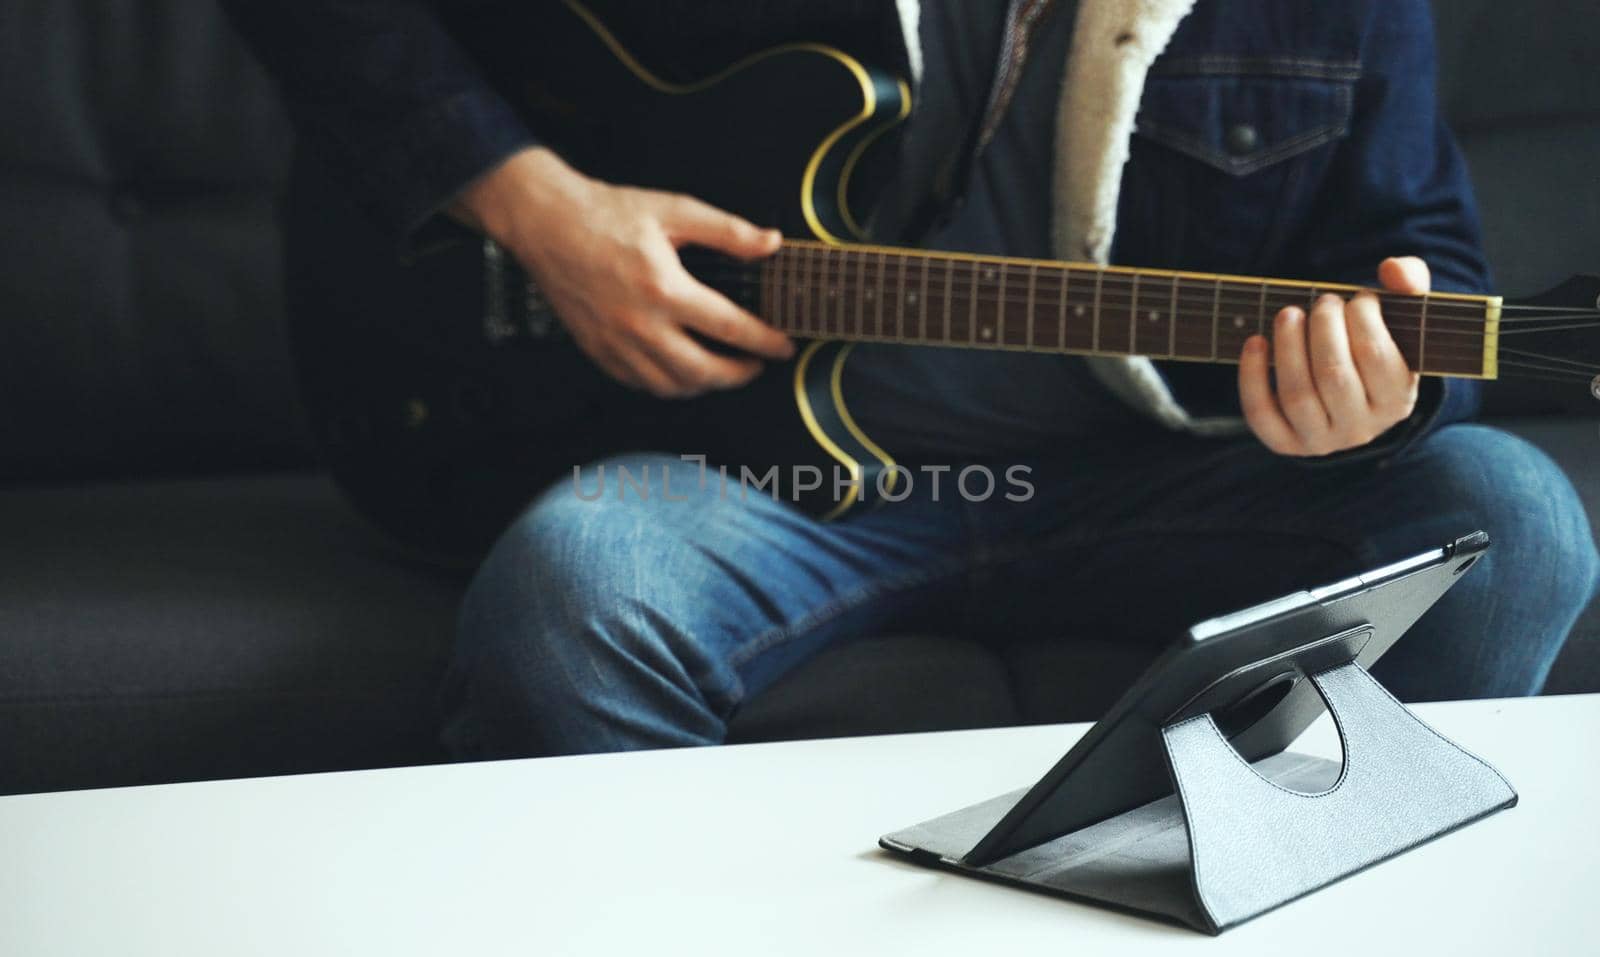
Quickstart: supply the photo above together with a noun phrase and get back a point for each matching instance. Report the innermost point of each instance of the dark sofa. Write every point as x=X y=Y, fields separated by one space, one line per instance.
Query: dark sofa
x=184 y=596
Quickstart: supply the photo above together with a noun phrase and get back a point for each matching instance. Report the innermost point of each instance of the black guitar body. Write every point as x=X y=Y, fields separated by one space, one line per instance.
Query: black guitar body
x=445 y=393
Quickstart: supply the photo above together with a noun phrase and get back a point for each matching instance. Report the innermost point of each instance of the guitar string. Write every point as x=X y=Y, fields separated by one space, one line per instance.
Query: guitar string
x=1533 y=371
x=1573 y=364
x=1017 y=283
x=1536 y=375
x=1191 y=343
x=1197 y=293
x=1236 y=297
x=1018 y=277
x=1045 y=298
x=1121 y=310
x=1018 y=280
x=1112 y=287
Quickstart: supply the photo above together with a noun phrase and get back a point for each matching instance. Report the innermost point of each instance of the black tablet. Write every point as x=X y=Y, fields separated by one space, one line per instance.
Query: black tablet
x=1248 y=669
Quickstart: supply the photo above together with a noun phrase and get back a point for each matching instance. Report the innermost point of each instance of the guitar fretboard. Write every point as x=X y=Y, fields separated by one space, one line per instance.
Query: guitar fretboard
x=884 y=294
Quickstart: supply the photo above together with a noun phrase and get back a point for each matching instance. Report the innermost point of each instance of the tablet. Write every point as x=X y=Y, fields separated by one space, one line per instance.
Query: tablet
x=1249 y=669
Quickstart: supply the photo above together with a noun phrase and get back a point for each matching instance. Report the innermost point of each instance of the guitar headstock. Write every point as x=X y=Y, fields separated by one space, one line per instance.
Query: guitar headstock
x=1555 y=335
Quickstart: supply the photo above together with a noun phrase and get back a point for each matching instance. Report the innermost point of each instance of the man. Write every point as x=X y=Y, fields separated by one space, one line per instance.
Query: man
x=1221 y=135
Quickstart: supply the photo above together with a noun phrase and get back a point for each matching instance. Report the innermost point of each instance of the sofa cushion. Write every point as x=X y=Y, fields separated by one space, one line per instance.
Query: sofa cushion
x=204 y=628
x=1517 y=84
x=141 y=157
x=191 y=629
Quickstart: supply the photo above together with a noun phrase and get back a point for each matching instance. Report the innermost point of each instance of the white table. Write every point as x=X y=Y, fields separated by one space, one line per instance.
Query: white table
x=761 y=849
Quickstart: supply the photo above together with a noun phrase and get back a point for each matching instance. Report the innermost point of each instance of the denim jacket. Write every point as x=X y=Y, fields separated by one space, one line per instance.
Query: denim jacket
x=1285 y=138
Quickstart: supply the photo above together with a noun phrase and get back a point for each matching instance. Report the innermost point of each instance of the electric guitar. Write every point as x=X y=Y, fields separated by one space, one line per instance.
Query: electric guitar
x=445 y=394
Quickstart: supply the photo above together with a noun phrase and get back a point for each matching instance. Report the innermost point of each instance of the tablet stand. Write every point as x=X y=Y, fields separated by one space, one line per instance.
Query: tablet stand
x=1239 y=839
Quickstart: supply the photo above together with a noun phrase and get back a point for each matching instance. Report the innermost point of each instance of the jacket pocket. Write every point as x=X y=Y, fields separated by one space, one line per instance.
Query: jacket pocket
x=1228 y=153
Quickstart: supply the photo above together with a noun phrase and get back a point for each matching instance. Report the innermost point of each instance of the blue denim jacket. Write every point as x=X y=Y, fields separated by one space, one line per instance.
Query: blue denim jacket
x=1301 y=140
x=1287 y=138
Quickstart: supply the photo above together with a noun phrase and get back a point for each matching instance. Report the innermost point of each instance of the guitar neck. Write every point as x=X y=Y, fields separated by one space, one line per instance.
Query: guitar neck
x=915 y=297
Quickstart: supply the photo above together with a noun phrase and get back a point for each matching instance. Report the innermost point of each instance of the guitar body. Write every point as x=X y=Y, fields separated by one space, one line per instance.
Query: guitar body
x=445 y=394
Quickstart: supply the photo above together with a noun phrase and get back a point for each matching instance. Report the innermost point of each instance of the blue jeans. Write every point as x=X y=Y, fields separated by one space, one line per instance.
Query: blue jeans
x=627 y=622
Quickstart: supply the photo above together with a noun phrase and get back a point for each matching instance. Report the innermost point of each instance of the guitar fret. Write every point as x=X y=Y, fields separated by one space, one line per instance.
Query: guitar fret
x=878 y=299
x=972 y=306
x=900 y=301
x=1422 y=336
x=801 y=262
x=949 y=276
x=1061 y=312
x=839 y=292
x=1133 y=317
x=785 y=289
x=1216 y=315
x=1033 y=278
x=861 y=293
x=775 y=269
x=802 y=291
x=1172 y=321
x=1099 y=280
x=816 y=302
x=825 y=293
x=1261 y=312
x=922 y=303
x=997 y=331
x=774 y=275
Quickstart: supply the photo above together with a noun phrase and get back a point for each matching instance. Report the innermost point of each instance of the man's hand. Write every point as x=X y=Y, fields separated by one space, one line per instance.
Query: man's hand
x=606 y=257
x=1341 y=380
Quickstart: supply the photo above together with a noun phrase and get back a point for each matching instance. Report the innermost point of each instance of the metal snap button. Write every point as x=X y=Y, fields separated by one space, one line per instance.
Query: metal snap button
x=1242 y=138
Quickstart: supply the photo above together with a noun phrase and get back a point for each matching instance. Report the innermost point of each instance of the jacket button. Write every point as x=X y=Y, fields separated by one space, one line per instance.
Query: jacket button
x=1242 y=138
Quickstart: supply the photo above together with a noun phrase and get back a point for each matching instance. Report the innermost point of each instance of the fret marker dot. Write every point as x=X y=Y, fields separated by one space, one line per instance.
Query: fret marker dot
x=988 y=274
x=1077 y=311
x=911 y=299
x=988 y=333
x=1155 y=316
x=870 y=294
x=1238 y=322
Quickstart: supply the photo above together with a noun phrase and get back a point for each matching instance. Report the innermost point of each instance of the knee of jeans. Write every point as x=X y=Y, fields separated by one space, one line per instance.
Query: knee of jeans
x=1538 y=526
x=567 y=609
x=545 y=576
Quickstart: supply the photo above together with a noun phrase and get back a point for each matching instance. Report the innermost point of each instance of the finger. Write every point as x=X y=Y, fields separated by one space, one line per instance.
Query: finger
x=693 y=367
x=1391 y=387
x=595 y=346
x=1406 y=274
x=1333 y=371
x=650 y=374
x=688 y=220
x=1297 y=394
x=711 y=313
x=1261 y=410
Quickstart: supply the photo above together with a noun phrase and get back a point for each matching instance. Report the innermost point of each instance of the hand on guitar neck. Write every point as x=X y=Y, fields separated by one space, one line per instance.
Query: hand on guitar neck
x=606 y=258
x=1341 y=380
